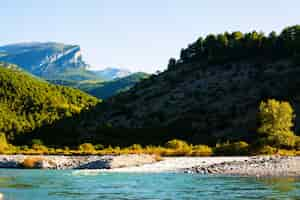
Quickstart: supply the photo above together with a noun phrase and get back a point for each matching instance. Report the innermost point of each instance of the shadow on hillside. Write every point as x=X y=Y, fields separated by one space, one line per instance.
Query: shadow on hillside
x=84 y=127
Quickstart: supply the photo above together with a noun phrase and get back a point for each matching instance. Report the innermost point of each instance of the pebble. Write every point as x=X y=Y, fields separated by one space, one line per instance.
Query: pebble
x=255 y=166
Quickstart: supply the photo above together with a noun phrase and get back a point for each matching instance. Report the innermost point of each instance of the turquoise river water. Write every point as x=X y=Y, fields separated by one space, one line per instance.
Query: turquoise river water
x=88 y=185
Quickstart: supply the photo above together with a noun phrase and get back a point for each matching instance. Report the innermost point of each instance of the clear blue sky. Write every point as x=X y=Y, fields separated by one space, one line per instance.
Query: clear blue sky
x=137 y=34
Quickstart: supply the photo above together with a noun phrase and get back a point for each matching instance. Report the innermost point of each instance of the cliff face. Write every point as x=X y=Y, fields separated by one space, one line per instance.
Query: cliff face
x=44 y=59
x=56 y=61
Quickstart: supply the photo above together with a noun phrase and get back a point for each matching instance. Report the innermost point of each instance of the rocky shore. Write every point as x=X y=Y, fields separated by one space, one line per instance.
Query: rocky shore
x=258 y=166
x=74 y=162
x=253 y=166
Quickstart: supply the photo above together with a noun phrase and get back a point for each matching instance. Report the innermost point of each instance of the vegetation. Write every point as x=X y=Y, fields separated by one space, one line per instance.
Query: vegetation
x=4 y=146
x=111 y=88
x=274 y=136
x=276 y=120
x=62 y=120
x=27 y=103
x=210 y=94
x=104 y=89
x=236 y=46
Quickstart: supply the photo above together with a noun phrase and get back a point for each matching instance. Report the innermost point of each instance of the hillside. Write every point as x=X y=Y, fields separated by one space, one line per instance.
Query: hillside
x=210 y=94
x=27 y=103
x=213 y=91
x=111 y=88
x=110 y=73
x=105 y=89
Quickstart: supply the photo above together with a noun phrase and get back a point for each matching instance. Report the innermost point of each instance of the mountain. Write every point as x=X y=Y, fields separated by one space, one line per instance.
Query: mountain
x=47 y=60
x=105 y=89
x=109 y=73
x=110 y=88
x=28 y=103
x=63 y=64
x=210 y=94
x=51 y=60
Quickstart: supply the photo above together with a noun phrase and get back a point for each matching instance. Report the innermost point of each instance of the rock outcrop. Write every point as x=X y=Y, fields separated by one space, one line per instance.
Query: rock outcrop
x=43 y=59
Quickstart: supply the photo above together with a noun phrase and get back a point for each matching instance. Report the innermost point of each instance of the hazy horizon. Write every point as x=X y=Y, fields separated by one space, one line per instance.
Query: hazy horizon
x=135 y=35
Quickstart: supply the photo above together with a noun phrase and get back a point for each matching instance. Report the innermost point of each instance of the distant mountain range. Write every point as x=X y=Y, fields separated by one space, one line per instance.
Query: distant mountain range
x=53 y=60
x=63 y=64
x=110 y=73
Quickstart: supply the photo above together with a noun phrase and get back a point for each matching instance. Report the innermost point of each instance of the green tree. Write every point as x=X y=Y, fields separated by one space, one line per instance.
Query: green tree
x=172 y=63
x=276 y=122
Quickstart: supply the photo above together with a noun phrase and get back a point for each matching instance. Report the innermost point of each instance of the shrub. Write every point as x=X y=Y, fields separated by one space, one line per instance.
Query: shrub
x=266 y=150
x=297 y=143
x=40 y=148
x=236 y=148
x=3 y=143
x=99 y=146
x=177 y=144
x=135 y=147
x=285 y=141
x=36 y=142
x=202 y=150
x=87 y=147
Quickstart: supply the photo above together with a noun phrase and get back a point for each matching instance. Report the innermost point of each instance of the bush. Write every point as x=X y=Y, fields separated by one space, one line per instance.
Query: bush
x=266 y=150
x=177 y=144
x=40 y=148
x=36 y=142
x=202 y=150
x=236 y=148
x=136 y=147
x=99 y=146
x=285 y=141
x=297 y=143
x=87 y=147
x=3 y=143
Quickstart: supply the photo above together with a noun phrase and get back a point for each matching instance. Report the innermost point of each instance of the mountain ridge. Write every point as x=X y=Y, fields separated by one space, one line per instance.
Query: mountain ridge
x=53 y=60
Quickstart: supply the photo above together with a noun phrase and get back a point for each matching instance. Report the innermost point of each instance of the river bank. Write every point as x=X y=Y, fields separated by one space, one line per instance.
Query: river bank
x=74 y=162
x=143 y=163
x=259 y=166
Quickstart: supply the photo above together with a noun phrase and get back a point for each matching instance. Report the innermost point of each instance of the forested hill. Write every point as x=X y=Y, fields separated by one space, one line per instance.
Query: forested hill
x=235 y=46
x=105 y=89
x=210 y=94
x=27 y=103
x=213 y=91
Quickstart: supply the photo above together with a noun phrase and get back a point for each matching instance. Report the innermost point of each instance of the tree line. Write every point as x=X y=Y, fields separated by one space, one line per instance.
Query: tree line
x=237 y=45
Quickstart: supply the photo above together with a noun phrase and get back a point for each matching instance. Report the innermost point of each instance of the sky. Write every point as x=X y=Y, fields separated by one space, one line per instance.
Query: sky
x=138 y=35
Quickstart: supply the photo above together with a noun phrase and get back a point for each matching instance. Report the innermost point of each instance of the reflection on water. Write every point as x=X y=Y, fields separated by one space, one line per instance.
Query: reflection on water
x=10 y=182
x=282 y=184
x=93 y=185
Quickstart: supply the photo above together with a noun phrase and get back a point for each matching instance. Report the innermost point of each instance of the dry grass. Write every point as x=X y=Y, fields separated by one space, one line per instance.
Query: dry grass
x=173 y=148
